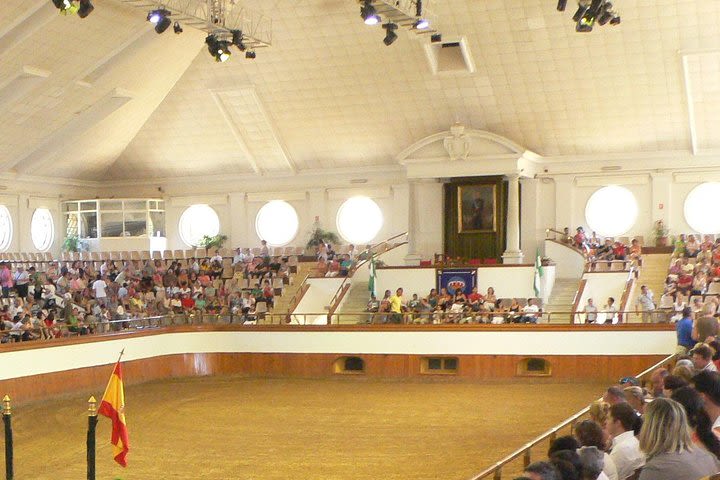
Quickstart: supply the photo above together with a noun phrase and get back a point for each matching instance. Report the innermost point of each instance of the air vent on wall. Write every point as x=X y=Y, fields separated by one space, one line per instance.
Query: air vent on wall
x=611 y=168
x=451 y=56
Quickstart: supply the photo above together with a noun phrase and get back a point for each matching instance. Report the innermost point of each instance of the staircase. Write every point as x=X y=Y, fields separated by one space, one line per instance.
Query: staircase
x=561 y=299
x=282 y=303
x=653 y=273
x=356 y=300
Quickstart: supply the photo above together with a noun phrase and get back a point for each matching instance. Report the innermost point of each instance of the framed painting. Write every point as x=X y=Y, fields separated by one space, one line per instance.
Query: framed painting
x=477 y=208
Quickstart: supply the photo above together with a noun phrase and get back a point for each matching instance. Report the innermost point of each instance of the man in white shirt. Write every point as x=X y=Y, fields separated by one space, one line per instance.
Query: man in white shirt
x=530 y=312
x=625 y=451
x=708 y=385
x=590 y=311
x=100 y=288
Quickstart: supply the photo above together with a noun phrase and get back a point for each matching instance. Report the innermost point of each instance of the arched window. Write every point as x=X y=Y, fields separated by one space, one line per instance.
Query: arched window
x=699 y=209
x=6 y=228
x=359 y=220
x=611 y=211
x=197 y=221
x=277 y=223
x=42 y=229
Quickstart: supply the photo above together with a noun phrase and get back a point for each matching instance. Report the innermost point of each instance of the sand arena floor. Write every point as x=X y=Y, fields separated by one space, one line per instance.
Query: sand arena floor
x=262 y=429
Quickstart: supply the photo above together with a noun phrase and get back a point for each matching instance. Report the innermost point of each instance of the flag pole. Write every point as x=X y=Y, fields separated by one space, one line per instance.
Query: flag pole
x=92 y=424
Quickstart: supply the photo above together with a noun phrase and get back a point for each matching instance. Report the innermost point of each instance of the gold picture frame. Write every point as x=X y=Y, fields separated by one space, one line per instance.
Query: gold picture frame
x=477 y=208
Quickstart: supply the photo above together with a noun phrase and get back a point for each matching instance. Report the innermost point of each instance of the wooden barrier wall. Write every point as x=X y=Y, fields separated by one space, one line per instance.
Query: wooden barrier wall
x=470 y=368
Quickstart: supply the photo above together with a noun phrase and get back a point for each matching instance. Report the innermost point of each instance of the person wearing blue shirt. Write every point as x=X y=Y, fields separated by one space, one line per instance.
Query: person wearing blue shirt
x=684 y=330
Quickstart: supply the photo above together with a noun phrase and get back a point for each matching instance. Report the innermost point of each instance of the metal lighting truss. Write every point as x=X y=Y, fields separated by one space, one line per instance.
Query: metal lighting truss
x=217 y=17
x=402 y=12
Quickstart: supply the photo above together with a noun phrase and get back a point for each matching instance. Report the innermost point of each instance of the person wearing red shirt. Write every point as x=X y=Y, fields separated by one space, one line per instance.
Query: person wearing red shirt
x=475 y=299
x=187 y=302
x=619 y=251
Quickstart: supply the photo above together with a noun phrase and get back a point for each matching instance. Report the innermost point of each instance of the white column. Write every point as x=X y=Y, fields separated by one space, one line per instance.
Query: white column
x=512 y=250
x=237 y=207
x=412 y=257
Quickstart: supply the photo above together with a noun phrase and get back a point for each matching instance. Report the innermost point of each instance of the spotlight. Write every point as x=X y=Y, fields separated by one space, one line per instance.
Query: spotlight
x=218 y=48
x=582 y=8
x=160 y=19
x=436 y=38
x=62 y=5
x=85 y=9
x=586 y=22
x=237 y=40
x=250 y=54
x=177 y=28
x=390 y=36
x=369 y=14
x=615 y=20
x=561 y=5
x=421 y=24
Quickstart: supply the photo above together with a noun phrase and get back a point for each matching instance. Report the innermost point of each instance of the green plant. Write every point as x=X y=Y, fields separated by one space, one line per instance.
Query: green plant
x=212 y=242
x=72 y=243
x=660 y=230
x=318 y=235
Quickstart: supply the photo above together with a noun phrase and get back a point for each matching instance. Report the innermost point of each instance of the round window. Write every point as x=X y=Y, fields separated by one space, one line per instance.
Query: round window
x=277 y=223
x=6 y=228
x=359 y=220
x=42 y=229
x=698 y=212
x=611 y=211
x=196 y=222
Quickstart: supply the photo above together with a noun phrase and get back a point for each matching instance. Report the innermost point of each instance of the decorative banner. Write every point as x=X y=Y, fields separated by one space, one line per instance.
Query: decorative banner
x=456 y=279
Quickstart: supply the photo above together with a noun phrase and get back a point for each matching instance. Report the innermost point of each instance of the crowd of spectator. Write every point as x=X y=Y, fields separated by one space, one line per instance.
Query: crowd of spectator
x=608 y=249
x=79 y=298
x=444 y=307
x=668 y=429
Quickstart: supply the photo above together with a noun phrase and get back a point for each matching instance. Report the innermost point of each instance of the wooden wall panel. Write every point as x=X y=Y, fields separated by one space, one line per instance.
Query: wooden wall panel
x=471 y=368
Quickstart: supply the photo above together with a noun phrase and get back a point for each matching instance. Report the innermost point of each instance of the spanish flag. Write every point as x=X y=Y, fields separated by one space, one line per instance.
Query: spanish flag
x=112 y=406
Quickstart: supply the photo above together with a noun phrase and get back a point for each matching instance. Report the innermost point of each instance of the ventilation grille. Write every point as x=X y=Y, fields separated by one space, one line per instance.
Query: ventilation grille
x=450 y=57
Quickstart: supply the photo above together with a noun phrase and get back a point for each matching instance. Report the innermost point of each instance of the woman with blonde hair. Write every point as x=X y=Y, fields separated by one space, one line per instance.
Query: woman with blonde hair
x=669 y=450
x=599 y=412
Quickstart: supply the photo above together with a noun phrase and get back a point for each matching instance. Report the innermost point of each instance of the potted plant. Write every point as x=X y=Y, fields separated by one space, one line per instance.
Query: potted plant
x=215 y=242
x=660 y=232
x=317 y=236
x=73 y=243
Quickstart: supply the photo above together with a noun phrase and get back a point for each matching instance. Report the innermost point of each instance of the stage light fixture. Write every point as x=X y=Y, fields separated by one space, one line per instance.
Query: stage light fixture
x=177 y=28
x=390 y=35
x=421 y=24
x=587 y=21
x=369 y=14
x=582 y=8
x=561 y=5
x=160 y=18
x=436 y=38
x=85 y=9
x=219 y=49
x=250 y=54
x=62 y=5
x=237 y=40
x=615 y=20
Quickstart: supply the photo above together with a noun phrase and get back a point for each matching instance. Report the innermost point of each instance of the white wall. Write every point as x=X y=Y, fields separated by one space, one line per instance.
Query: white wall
x=569 y=263
x=317 y=298
x=15 y=364
x=600 y=286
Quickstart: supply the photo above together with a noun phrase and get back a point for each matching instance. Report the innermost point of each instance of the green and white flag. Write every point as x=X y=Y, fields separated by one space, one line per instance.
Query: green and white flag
x=538 y=273
x=371 y=282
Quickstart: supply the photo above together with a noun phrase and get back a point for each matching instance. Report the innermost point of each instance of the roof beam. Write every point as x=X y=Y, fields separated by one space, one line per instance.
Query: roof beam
x=63 y=137
x=127 y=49
x=235 y=132
x=19 y=86
x=36 y=17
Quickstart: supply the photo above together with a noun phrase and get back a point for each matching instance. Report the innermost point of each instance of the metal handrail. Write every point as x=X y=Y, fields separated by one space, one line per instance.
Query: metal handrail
x=525 y=450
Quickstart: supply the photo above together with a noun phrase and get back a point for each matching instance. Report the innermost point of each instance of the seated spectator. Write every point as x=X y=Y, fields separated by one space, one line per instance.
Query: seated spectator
x=531 y=312
x=541 y=471
x=591 y=434
x=698 y=419
x=679 y=250
x=513 y=312
x=580 y=240
x=684 y=283
x=707 y=385
x=702 y=358
x=672 y=383
x=625 y=453
x=666 y=443
x=373 y=304
x=268 y=294
x=705 y=327
x=490 y=299
x=619 y=250
x=636 y=398
x=475 y=300
x=635 y=252
x=605 y=251
x=692 y=247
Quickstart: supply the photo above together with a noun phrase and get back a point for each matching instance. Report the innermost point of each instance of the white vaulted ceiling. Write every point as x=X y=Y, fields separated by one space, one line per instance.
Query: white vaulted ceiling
x=105 y=98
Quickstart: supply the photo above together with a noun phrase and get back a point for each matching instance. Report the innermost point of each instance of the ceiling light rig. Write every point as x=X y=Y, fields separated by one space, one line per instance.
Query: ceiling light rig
x=160 y=18
x=409 y=14
x=82 y=8
x=590 y=12
x=219 y=49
